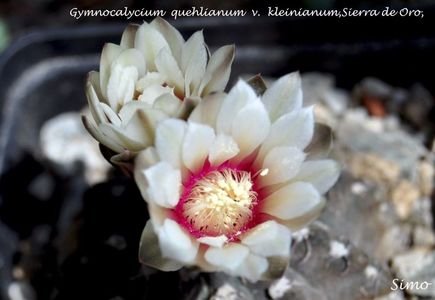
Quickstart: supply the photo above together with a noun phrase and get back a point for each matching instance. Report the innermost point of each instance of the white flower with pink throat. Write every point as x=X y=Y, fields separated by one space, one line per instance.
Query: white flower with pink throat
x=226 y=187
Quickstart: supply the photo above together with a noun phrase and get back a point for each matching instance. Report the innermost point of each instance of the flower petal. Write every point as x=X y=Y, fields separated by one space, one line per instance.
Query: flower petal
x=167 y=65
x=268 y=239
x=214 y=241
x=237 y=99
x=172 y=36
x=207 y=110
x=94 y=79
x=176 y=244
x=218 y=70
x=283 y=96
x=250 y=127
x=152 y=92
x=322 y=174
x=224 y=148
x=193 y=63
x=281 y=163
x=229 y=257
x=304 y=219
x=292 y=129
x=150 y=253
x=149 y=41
x=149 y=79
x=169 y=139
x=131 y=58
x=121 y=86
x=109 y=53
x=196 y=146
x=100 y=137
x=168 y=103
x=128 y=36
x=144 y=160
x=110 y=114
x=164 y=184
x=94 y=101
x=253 y=267
x=291 y=201
x=135 y=134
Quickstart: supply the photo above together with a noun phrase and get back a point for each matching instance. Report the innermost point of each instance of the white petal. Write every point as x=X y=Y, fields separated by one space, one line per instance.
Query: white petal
x=214 y=241
x=149 y=41
x=134 y=138
x=152 y=92
x=218 y=70
x=239 y=96
x=158 y=214
x=164 y=184
x=292 y=129
x=168 y=103
x=150 y=78
x=322 y=174
x=252 y=267
x=268 y=239
x=230 y=257
x=193 y=63
x=305 y=219
x=124 y=73
x=283 y=96
x=169 y=140
x=150 y=253
x=140 y=121
x=109 y=53
x=281 y=163
x=207 y=110
x=251 y=126
x=128 y=36
x=196 y=146
x=110 y=114
x=224 y=148
x=141 y=127
x=176 y=244
x=127 y=111
x=131 y=58
x=93 y=101
x=167 y=65
x=100 y=137
x=94 y=79
x=121 y=86
x=292 y=201
x=144 y=160
x=172 y=36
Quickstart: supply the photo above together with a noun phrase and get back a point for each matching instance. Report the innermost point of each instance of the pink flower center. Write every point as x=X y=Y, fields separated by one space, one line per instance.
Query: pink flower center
x=218 y=202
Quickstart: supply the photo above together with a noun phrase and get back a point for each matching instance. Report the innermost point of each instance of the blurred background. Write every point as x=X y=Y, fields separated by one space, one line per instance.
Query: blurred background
x=70 y=224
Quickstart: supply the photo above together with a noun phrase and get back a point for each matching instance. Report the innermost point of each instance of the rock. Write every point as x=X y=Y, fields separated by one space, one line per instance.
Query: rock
x=319 y=263
x=423 y=237
x=426 y=175
x=373 y=87
x=65 y=141
x=417 y=266
x=374 y=168
x=21 y=290
x=404 y=197
x=418 y=105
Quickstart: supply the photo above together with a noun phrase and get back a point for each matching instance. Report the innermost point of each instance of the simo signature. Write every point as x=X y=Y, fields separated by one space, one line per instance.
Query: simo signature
x=410 y=285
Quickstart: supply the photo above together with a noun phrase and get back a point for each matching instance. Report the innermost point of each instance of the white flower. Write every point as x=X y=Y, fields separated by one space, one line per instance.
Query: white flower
x=225 y=188
x=151 y=75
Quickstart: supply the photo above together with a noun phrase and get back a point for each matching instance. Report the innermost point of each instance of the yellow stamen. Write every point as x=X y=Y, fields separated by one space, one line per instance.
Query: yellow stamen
x=221 y=202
